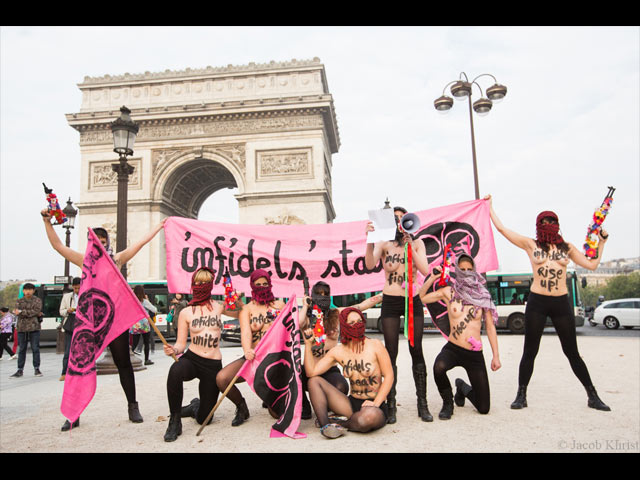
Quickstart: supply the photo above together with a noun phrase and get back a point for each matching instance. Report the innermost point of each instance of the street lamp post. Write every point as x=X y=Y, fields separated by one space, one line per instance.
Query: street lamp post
x=124 y=136
x=71 y=213
x=463 y=88
x=124 y=131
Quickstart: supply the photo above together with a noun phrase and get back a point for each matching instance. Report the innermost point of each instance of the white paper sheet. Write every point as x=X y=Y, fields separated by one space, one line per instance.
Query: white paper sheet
x=384 y=223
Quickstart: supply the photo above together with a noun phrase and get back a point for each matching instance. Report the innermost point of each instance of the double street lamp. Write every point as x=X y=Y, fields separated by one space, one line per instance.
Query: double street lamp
x=462 y=88
x=124 y=131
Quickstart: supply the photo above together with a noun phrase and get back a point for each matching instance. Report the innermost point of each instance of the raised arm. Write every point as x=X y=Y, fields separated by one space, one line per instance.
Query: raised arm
x=373 y=252
x=518 y=240
x=582 y=260
x=74 y=257
x=368 y=303
x=125 y=255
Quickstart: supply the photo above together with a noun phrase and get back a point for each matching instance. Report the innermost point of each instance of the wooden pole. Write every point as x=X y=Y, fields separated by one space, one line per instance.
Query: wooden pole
x=153 y=324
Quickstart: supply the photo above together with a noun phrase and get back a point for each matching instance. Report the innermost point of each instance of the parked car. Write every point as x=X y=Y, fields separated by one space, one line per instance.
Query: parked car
x=231 y=330
x=623 y=312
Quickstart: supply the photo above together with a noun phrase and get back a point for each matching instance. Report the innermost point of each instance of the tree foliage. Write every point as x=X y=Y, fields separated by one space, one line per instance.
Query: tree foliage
x=620 y=286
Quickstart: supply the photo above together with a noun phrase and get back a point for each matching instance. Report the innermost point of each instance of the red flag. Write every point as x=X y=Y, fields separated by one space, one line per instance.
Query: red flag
x=274 y=373
x=106 y=308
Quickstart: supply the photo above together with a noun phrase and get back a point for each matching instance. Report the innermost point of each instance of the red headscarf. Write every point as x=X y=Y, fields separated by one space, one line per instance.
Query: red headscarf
x=352 y=335
x=202 y=293
x=262 y=295
x=548 y=233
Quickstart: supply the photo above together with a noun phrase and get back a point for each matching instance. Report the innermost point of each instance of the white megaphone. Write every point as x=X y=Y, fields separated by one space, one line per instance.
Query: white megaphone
x=409 y=223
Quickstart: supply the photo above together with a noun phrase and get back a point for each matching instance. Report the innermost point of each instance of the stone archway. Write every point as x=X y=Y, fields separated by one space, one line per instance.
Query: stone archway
x=268 y=130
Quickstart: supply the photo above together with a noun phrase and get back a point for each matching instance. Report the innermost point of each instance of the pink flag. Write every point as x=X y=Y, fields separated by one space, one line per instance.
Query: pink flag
x=274 y=373
x=106 y=308
x=332 y=252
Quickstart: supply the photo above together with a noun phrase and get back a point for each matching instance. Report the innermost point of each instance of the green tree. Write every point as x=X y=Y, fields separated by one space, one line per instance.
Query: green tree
x=9 y=295
x=620 y=286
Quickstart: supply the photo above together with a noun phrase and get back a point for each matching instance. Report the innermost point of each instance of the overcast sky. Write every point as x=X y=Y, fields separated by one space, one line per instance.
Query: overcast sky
x=567 y=129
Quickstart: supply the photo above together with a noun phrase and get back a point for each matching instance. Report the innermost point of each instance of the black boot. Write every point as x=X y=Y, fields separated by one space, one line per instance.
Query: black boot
x=462 y=390
x=447 y=404
x=391 y=398
x=242 y=414
x=594 y=400
x=420 y=379
x=134 y=413
x=67 y=425
x=190 y=410
x=521 y=398
x=174 y=430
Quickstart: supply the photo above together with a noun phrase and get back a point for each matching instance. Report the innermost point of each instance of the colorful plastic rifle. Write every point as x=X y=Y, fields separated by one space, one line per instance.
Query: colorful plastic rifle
x=593 y=232
x=54 y=206
x=230 y=295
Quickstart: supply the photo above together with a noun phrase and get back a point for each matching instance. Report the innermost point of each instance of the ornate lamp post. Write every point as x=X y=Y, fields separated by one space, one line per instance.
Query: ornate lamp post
x=71 y=213
x=124 y=136
x=463 y=88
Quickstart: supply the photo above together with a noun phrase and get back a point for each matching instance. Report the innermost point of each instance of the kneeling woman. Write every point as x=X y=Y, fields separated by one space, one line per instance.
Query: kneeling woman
x=202 y=360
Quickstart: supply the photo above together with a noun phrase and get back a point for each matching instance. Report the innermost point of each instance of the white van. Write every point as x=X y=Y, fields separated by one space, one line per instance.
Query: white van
x=623 y=312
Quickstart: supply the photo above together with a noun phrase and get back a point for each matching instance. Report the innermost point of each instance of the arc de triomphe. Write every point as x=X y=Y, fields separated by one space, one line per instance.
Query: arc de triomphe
x=268 y=130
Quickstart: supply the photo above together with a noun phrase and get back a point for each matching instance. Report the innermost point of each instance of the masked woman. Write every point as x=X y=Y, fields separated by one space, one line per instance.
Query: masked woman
x=366 y=364
x=255 y=318
x=202 y=320
x=549 y=255
x=468 y=303
x=316 y=314
x=393 y=307
x=120 y=346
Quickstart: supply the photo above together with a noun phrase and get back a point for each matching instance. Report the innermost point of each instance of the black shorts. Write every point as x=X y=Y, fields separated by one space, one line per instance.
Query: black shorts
x=393 y=306
x=356 y=405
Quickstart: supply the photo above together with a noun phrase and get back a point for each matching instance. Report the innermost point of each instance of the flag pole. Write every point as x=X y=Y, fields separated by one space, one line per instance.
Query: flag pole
x=215 y=407
x=155 y=329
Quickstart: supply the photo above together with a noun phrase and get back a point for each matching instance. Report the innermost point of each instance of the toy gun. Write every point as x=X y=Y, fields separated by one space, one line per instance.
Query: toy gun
x=446 y=266
x=230 y=295
x=318 y=327
x=593 y=232
x=54 y=206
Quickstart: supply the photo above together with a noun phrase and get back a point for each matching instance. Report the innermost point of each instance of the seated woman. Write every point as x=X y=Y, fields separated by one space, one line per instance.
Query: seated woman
x=255 y=318
x=365 y=363
x=202 y=360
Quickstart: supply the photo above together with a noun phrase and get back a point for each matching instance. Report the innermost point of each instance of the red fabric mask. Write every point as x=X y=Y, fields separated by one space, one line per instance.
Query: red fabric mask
x=352 y=335
x=548 y=233
x=262 y=295
x=202 y=293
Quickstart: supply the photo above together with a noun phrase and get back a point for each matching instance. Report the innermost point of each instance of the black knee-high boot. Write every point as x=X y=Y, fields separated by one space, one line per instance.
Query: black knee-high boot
x=420 y=379
x=391 y=398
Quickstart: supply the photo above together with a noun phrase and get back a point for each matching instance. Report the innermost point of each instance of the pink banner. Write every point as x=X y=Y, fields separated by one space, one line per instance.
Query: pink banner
x=274 y=373
x=106 y=308
x=332 y=252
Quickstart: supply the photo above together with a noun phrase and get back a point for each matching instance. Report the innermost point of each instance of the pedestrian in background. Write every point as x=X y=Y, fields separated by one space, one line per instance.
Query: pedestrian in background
x=28 y=310
x=142 y=327
x=6 y=331
x=68 y=306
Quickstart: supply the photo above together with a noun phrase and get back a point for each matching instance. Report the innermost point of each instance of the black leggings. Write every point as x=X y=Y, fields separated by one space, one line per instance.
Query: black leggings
x=538 y=308
x=473 y=362
x=391 y=311
x=188 y=367
x=146 y=337
x=4 y=338
x=120 y=350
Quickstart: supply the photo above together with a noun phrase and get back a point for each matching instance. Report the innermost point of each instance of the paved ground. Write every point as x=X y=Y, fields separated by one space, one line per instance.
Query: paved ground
x=557 y=419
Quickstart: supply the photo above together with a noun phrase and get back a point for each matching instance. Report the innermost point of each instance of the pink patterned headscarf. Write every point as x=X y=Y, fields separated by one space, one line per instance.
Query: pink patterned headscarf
x=471 y=288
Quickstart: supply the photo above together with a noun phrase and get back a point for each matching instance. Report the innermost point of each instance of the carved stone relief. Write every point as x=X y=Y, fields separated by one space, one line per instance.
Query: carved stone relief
x=102 y=176
x=275 y=163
